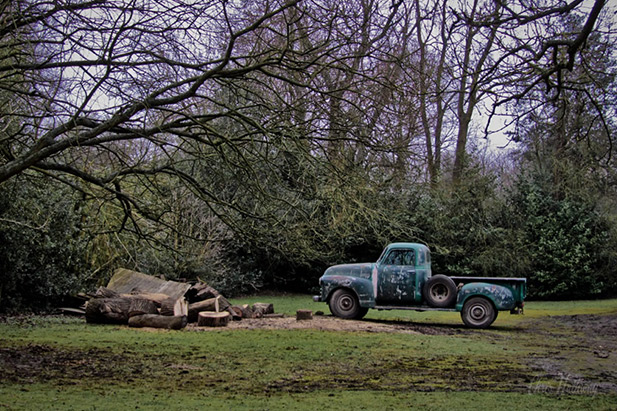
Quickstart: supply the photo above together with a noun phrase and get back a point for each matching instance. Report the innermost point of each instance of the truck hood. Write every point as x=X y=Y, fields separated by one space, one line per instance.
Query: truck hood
x=361 y=270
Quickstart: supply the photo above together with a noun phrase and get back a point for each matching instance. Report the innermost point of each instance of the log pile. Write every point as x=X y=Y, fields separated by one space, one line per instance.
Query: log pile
x=140 y=300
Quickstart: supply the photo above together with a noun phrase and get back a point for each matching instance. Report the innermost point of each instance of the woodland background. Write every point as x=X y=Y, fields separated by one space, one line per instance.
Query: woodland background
x=253 y=143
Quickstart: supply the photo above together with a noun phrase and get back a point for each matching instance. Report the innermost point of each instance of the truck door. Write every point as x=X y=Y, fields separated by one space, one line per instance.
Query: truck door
x=397 y=277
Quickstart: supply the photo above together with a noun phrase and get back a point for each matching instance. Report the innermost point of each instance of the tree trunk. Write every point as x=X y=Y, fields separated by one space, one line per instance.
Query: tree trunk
x=140 y=306
x=212 y=319
x=158 y=321
x=108 y=310
x=460 y=152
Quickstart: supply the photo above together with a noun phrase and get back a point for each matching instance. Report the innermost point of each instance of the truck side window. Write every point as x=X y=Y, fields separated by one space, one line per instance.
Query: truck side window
x=400 y=257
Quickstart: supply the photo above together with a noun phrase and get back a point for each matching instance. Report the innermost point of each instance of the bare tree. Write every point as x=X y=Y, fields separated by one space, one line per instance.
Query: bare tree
x=93 y=74
x=235 y=101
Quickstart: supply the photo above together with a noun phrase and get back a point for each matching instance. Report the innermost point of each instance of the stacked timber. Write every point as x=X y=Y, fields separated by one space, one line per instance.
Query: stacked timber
x=141 y=300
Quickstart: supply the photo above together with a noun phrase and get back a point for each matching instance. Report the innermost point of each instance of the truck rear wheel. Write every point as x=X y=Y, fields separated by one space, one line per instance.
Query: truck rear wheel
x=478 y=312
x=344 y=304
x=439 y=291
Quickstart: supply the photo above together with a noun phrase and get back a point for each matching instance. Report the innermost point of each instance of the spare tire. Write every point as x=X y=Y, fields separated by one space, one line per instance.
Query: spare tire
x=439 y=291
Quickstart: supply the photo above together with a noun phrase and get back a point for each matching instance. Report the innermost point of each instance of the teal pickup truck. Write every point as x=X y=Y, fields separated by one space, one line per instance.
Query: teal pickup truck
x=402 y=280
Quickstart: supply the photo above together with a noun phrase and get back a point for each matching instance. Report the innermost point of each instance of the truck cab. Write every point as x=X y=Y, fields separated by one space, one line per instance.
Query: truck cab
x=402 y=279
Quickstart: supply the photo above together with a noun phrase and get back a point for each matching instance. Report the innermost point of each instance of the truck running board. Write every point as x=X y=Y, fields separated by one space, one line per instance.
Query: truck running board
x=420 y=308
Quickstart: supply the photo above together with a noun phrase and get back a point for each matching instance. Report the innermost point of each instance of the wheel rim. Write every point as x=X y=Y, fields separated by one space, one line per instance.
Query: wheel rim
x=346 y=302
x=439 y=292
x=478 y=313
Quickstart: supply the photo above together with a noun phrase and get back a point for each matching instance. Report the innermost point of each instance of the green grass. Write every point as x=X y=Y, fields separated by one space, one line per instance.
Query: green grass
x=44 y=397
x=63 y=363
x=289 y=304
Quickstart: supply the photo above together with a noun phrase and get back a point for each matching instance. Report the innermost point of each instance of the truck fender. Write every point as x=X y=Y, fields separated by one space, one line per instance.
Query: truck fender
x=362 y=288
x=501 y=297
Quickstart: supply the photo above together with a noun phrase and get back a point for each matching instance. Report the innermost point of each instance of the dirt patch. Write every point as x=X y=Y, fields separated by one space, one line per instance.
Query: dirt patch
x=35 y=362
x=579 y=353
x=451 y=373
x=330 y=323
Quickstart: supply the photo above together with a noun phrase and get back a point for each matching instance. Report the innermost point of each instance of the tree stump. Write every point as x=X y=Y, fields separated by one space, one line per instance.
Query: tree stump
x=304 y=315
x=158 y=321
x=212 y=319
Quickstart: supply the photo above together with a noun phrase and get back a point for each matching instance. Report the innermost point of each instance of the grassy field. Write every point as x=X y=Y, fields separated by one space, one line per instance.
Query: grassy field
x=559 y=355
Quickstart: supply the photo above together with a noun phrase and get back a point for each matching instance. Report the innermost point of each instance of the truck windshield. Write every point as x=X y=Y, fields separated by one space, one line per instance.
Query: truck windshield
x=400 y=257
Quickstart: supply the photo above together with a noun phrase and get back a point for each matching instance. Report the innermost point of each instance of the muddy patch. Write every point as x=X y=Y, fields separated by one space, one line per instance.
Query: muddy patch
x=450 y=373
x=37 y=363
x=578 y=356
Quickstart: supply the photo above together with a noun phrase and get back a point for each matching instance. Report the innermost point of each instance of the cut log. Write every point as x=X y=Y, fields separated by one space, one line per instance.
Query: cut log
x=247 y=311
x=140 y=306
x=304 y=315
x=194 y=309
x=213 y=319
x=200 y=292
x=108 y=310
x=243 y=311
x=263 y=308
x=273 y=315
x=158 y=321
x=206 y=292
x=174 y=307
x=203 y=292
x=238 y=311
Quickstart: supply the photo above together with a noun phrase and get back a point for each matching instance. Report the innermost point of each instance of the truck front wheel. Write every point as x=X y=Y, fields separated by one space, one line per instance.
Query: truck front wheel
x=344 y=304
x=478 y=312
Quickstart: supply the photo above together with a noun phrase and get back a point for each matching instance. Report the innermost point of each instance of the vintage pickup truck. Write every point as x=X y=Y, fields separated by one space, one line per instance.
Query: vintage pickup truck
x=401 y=279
